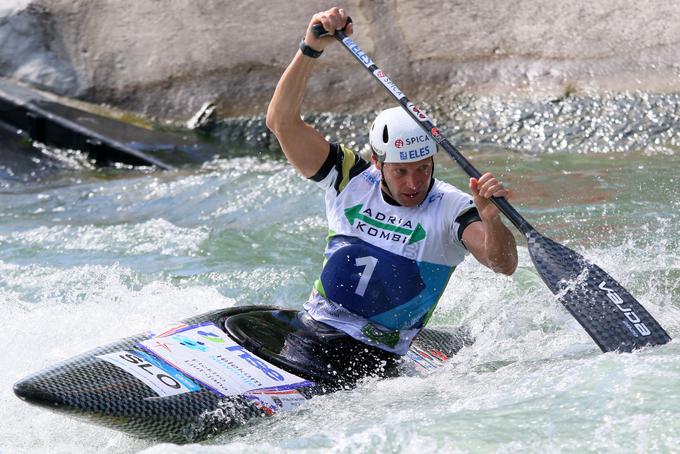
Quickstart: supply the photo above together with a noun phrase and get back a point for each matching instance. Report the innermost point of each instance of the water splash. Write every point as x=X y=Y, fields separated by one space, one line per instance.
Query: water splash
x=88 y=256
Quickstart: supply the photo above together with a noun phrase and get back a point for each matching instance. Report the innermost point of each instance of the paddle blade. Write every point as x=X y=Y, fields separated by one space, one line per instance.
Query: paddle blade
x=610 y=315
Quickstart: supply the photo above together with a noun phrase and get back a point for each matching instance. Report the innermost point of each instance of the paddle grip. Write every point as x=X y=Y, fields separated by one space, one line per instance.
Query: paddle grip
x=320 y=32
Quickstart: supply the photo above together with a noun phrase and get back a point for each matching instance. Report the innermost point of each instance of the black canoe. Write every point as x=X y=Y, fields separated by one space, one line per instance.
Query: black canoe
x=200 y=376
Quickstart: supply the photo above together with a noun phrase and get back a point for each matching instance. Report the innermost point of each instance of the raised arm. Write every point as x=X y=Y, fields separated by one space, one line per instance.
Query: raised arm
x=490 y=241
x=303 y=145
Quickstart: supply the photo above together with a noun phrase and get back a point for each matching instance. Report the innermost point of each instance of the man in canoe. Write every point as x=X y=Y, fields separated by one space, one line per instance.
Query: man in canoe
x=396 y=233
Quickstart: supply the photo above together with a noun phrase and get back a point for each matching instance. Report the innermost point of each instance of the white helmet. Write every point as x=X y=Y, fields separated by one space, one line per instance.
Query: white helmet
x=396 y=137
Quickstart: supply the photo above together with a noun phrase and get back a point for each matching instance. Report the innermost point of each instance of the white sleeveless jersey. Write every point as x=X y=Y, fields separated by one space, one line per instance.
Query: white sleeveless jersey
x=386 y=266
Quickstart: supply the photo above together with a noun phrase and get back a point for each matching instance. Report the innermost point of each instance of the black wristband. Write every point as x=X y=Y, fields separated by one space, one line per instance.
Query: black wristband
x=308 y=51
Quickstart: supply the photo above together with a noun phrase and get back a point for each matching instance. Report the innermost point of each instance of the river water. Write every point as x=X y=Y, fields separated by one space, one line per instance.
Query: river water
x=91 y=255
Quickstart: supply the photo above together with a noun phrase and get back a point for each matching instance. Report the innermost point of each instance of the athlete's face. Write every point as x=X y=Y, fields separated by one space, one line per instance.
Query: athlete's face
x=408 y=182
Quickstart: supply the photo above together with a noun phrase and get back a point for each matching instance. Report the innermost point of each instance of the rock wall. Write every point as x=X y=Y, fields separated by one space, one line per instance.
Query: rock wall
x=164 y=58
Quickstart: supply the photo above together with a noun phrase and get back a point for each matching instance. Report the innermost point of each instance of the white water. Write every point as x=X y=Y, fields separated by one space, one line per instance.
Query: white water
x=87 y=257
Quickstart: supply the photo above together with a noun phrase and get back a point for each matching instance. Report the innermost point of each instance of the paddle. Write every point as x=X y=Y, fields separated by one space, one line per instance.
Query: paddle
x=610 y=315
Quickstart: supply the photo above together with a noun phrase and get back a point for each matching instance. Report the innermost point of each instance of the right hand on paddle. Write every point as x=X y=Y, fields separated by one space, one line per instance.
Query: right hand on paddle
x=333 y=19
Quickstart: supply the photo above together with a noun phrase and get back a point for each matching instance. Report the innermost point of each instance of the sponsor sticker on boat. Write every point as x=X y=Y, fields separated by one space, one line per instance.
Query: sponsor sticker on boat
x=162 y=378
x=272 y=401
x=206 y=354
x=427 y=361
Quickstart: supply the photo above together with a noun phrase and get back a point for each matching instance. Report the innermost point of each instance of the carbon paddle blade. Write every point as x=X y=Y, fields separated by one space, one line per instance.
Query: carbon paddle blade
x=610 y=315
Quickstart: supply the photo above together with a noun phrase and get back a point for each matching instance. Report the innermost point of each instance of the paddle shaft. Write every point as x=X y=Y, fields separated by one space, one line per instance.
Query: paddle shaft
x=426 y=124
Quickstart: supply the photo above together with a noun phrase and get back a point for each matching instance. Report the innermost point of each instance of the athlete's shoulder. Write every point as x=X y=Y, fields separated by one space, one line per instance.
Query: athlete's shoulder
x=341 y=166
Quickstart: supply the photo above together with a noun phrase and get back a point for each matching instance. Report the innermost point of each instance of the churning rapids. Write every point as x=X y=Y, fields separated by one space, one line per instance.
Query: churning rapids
x=91 y=255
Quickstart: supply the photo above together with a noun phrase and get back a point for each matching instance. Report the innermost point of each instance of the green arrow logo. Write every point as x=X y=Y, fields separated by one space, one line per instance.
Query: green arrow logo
x=354 y=213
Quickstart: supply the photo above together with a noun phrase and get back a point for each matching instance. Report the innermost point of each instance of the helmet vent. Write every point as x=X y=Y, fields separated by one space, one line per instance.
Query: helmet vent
x=386 y=136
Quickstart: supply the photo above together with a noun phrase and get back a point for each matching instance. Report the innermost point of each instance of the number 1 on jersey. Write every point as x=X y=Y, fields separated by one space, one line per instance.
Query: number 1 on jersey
x=369 y=264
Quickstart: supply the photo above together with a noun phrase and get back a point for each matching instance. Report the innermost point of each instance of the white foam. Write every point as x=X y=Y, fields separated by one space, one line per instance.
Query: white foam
x=153 y=236
x=71 y=311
